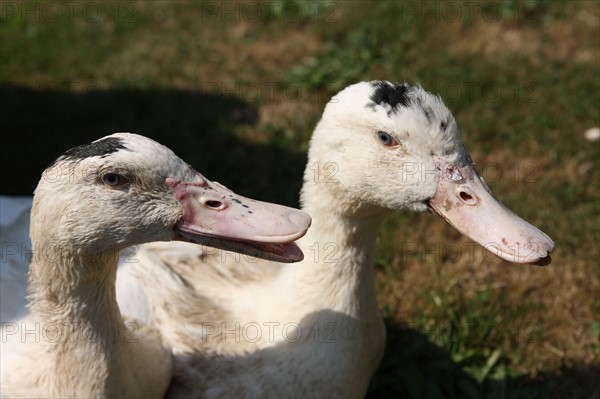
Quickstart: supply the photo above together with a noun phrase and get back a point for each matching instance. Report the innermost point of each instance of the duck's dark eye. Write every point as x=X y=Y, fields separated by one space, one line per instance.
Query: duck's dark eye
x=386 y=139
x=114 y=180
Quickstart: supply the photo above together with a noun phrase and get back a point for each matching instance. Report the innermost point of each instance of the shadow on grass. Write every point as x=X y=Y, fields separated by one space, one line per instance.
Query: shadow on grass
x=413 y=367
x=37 y=126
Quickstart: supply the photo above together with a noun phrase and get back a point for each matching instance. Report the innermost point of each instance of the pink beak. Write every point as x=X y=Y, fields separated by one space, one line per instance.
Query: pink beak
x=465 y=201
x=217 y=217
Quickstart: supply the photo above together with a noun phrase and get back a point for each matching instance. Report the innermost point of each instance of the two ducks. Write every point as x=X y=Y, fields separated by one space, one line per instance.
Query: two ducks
x=239 y=327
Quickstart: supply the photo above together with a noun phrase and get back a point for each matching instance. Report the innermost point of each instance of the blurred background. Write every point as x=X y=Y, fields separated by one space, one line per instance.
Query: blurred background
x=236 y=88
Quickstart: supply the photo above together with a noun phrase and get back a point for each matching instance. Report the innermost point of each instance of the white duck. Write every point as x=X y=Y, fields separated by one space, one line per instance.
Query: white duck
x=92 y=202
x=313 y=329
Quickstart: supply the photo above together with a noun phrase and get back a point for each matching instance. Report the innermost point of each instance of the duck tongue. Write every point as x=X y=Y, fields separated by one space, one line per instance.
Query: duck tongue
x=465 y=201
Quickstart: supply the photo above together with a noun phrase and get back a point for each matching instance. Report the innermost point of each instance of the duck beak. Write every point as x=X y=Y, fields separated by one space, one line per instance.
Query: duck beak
x=465 y=201
x=217 y=217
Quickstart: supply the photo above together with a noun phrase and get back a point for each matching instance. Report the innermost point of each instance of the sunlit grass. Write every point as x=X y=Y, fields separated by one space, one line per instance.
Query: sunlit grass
x=523 y=86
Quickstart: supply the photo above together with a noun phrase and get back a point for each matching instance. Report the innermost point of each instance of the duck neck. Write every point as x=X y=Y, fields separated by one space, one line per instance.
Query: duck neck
x=74 y=306
x=70 y=285
x=339 y=249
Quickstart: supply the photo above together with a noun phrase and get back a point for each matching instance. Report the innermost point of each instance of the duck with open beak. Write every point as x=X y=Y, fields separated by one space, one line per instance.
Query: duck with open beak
x=217 y=217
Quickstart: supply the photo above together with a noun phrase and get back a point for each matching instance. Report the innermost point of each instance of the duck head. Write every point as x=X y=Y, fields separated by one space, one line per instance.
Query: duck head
x=127 y=189
x=381 y=145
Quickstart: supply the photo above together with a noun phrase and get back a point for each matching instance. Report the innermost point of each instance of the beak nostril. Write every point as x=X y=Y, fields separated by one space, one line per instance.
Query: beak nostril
x=213 y=204
x=466 y=197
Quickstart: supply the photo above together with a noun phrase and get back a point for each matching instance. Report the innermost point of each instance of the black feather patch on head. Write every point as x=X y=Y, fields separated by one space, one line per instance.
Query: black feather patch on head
x=100 y=148
x=444 y=125
x=428 y=113
x=394 y=95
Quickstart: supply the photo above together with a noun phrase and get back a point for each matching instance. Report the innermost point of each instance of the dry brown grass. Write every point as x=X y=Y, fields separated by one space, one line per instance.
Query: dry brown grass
x=571 y=39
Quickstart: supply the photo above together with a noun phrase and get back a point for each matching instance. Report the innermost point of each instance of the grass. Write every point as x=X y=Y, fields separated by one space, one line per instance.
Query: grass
x=520 y=76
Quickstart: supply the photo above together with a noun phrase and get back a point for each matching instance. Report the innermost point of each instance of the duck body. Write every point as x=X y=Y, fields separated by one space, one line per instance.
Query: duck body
x=319 y=338
x=245 y=328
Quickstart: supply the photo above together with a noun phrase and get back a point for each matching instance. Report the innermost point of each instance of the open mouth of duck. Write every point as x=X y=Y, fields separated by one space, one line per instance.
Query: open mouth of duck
x=217 y=217
x=285 y=251
x=465 y=201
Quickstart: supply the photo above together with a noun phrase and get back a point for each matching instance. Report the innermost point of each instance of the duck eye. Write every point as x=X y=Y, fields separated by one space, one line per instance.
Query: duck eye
x=114 y=180
x=386 y=139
